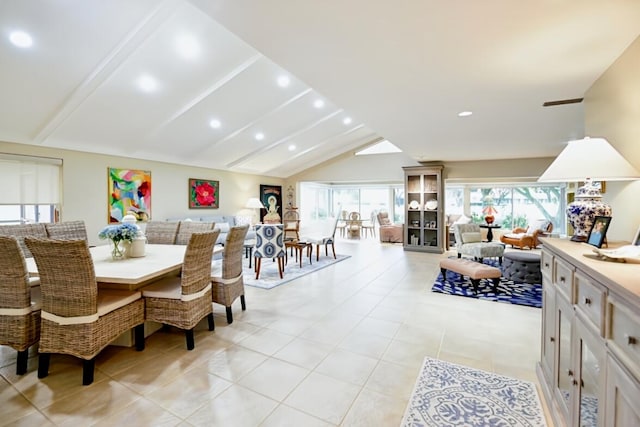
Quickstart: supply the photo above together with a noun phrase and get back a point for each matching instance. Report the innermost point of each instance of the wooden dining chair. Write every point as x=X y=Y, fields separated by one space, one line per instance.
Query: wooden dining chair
x=354 y=225
x=226 y=274
x=78 y=318
x=269 y=244
x=19 y=303
x=370 y=226
x=182 y=301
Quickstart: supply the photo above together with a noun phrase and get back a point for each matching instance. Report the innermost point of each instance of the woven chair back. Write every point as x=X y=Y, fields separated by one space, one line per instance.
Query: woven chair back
x=187 y=228
x=67 y=276
x=233 y=249
x=20 y=231
x=14 y=279
x=161 y=232
x=196 y=268
x=67 y=230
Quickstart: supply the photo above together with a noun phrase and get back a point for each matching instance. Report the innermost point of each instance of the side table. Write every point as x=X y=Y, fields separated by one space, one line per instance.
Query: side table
x=490 y=227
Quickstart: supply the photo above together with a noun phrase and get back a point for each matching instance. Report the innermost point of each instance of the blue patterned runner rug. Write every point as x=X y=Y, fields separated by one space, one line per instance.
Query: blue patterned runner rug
x=507 y=291
x=447 y=394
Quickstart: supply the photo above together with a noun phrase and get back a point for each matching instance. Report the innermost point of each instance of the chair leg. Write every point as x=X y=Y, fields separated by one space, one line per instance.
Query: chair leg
x=210 y=321
x=243 y=303
x=333 y=248
x=496 y=282
x=281 y=266
x=317 y=253
x=21 y=366
x=459 y=255
x=43 y=365
x=258 y=264
x=229 y=316
x=139 y=337
x=475 y=283
x=188 y=333
x=87 y=371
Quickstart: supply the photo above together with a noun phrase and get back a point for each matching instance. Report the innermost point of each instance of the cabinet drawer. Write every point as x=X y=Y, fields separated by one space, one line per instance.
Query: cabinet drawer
x=590 y=299
x=563 y=278
x=624 y=334
x=546 y=264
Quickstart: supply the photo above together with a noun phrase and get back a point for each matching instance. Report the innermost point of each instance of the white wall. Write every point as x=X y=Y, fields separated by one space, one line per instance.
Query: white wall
x=84 y=186
x=612 y=110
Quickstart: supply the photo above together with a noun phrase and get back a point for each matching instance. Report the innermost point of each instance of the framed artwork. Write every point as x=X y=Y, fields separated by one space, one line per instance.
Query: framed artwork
x=129 y=192
x=598 y=231
x=636 y=238
x=203 y=193
x=271 y=198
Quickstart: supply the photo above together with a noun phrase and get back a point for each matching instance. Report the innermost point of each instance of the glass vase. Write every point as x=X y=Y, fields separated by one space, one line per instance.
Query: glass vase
x=117 y=251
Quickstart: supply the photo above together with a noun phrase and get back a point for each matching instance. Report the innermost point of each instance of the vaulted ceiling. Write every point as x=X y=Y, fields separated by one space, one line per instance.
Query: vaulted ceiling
x=198 y=82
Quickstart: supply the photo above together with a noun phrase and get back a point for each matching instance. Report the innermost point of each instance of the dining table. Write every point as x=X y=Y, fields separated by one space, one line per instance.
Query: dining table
x=129 y=273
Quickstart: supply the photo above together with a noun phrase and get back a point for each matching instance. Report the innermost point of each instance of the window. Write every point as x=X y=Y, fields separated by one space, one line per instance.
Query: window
x=36 y=195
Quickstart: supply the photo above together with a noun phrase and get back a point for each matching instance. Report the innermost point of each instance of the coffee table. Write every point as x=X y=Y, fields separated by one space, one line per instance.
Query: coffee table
x=298 y=247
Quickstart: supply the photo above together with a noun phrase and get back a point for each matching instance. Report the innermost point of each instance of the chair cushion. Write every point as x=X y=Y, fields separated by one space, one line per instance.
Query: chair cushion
x=223 y=226
x=471 y=237
x=169 y=287
x=112 y=299
x=291 y=225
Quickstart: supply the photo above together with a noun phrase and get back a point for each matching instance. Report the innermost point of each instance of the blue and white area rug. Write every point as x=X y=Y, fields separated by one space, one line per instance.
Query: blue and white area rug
x=270 y=277
x=447 y=394
x=507 y=290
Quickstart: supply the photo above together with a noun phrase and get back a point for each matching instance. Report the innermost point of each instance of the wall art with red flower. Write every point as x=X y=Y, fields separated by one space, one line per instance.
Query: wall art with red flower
x=203 y=193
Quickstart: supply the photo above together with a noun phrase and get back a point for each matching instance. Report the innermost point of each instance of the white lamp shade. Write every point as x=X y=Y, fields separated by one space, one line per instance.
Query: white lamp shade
x=254 y=203
x=589 y=158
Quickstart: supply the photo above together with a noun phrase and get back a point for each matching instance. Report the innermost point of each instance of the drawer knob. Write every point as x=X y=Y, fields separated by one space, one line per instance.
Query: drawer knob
x=569 y=372
x=552 y=339
x=561 y=279
x=630 y=340
x=587 y=301
x=546 y=265
x=575 y=383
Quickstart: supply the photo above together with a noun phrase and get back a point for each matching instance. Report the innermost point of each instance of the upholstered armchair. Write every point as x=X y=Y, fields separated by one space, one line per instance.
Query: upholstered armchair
x=389 y=232
x=469 y=242
x=527 y=237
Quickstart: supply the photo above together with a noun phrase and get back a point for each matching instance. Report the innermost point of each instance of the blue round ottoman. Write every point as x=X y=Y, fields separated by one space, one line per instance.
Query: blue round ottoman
x=522 y=267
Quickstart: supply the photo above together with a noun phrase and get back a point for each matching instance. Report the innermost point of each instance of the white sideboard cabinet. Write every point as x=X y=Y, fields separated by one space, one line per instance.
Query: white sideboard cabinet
x=589 y=368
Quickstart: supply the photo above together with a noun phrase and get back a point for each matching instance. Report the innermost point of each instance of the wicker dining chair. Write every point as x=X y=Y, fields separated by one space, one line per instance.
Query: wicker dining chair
x=182 y=301
x=19 y=303
x=78 y=318
x=187 y=228
x=227 y=282
x=161 y=232
x=20 y=231
x=67 y=230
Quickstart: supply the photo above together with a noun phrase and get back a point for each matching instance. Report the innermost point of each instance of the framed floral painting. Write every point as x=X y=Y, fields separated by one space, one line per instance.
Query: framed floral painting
x=203 y=193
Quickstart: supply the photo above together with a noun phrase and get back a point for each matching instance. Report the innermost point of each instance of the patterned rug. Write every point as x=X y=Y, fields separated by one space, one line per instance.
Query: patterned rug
x=447 y=394
x=270 y=278
x=507 y=291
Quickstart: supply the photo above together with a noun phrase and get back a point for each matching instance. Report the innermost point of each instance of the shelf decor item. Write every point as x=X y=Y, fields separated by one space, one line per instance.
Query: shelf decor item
x=431 y=205
x=488 y=210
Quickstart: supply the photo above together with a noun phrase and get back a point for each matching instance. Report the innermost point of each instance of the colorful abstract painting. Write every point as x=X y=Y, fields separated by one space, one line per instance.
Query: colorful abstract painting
x=129 y=192
x=203 y=193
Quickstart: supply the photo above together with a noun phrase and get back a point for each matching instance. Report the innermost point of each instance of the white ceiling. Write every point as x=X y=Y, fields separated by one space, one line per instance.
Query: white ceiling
x=401 y=70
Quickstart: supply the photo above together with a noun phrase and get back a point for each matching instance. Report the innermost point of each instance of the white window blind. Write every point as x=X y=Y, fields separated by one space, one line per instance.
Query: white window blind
x=29 y=180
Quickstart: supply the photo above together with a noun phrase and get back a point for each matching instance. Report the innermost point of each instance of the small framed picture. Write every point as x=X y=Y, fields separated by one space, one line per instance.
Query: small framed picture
x=636 y=238
x=598 y=231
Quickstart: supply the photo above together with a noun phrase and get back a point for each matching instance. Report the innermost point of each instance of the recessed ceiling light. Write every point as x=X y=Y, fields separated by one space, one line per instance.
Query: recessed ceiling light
x=21 y=39
x=215 y=123
x=259 y=136
x=292 y=147
x=347 y=120
x=318 y=103
x=283 y=81
x=187 y=46
x=465 y=113
x=147 y=83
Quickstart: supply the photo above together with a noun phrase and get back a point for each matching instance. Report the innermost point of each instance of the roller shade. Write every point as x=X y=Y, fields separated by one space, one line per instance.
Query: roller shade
x=29 y=180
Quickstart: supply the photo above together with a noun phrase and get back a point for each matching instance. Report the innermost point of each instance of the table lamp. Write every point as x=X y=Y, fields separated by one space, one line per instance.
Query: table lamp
x=588 y=160
x=255 y=204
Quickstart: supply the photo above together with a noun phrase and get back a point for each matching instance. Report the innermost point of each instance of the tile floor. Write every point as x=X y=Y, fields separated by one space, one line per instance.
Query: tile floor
x=342 y=346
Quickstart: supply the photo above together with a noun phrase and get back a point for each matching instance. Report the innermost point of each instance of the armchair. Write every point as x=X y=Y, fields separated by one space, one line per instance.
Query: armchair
x=527 y=237
x=469 y=242
x=389 y=232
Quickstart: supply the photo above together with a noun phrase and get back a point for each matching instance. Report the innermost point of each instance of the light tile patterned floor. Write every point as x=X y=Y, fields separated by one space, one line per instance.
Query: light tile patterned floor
x=342 y=347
